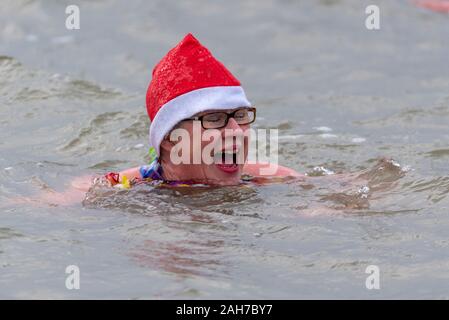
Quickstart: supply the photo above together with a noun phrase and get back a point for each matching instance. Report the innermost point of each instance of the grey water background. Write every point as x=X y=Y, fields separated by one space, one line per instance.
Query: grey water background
x=72 y=103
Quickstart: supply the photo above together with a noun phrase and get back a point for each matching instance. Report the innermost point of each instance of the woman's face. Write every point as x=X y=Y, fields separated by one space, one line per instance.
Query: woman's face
x=210 y=156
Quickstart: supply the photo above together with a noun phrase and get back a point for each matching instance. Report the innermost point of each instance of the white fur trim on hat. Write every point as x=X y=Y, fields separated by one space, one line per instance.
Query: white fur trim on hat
x=188 y=104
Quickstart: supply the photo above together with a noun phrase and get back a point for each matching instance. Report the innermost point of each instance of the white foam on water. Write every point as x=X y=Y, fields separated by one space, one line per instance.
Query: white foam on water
x=323 y=170
x=328 y=136
x=358 y=140
x=407 y=168
x=363 y=192
x=290 y=137
x=323 y=129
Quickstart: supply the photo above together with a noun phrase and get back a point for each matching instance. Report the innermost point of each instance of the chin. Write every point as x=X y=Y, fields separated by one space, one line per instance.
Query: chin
x=226 y=176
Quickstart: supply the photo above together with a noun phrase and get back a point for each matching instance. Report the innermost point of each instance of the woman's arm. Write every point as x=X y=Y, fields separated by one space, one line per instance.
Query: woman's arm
x=74 y=193
x=269 y=170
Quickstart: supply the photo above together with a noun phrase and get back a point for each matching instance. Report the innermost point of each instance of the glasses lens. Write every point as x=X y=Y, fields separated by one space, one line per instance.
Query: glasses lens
x=214 y=120
x=244 y=116
x=217 y=120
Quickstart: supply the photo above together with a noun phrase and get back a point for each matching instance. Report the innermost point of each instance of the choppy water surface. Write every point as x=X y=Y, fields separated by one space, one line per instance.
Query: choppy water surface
x=72 y=103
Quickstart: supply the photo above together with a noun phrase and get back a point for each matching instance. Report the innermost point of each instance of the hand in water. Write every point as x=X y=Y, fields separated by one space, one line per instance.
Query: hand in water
x=74 y=194
x=354 y=192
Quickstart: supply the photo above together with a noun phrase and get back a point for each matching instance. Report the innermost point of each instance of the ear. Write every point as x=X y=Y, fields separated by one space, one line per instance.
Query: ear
x=166 y=145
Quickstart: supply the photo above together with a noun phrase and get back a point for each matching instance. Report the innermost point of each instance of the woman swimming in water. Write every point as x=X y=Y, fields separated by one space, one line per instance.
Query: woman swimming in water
x=194 y=97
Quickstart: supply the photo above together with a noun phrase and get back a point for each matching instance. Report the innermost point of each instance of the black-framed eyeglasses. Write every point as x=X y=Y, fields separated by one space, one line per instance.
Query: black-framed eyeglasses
x=219 y=119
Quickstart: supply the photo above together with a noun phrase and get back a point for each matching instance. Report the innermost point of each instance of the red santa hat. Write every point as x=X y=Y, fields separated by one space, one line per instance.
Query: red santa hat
x=189 y=80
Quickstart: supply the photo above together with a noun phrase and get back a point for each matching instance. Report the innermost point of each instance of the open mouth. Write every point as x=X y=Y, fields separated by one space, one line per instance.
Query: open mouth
x=227 y=160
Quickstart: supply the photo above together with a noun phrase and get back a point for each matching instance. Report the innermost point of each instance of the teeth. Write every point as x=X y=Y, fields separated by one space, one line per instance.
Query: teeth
x=226 y=152
x=226 y=157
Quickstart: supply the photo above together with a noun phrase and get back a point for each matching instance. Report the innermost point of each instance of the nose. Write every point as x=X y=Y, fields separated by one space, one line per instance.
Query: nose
x=232 y=129
x=232 y=124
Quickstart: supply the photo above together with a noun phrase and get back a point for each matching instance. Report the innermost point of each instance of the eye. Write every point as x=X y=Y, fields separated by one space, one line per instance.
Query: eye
x=213 y=117
x=241 y=114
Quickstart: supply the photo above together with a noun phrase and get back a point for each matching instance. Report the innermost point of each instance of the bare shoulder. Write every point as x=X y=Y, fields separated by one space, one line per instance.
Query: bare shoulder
x=265 y=169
